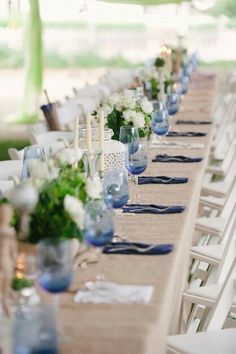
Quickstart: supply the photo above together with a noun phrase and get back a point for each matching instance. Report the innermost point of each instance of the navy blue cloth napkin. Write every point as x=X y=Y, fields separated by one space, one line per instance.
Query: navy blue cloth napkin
x=152 y=209
x=137 y=248
x=185 y=134
x=193 y=122
x=177 y=158
x=161 y=180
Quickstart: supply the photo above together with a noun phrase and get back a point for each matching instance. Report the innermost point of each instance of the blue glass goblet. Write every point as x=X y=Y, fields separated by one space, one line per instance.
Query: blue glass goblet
x=184 y=84
x=99 y=225
x=136 y=161
x=116 y=188
x=35 y=330
x=54 y=262
x=160 y=121
x=31 y=153
x=172 y=103
x=116 y=192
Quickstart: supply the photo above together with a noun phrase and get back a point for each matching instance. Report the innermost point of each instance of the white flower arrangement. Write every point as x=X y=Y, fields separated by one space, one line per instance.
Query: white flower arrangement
x=149 y=73
x=94 y=188
x=75 y=209
x=69 y=156
x=125 y=108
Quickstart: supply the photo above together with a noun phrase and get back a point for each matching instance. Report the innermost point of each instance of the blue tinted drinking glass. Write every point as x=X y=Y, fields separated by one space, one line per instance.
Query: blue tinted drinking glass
x=172 y=103
x=184 y=84
x=99 y=225
x=54 y=262
x=31 y=153
x=160 y=121
x=116 y=188
x=136 y=161
x=35 y=330
x=128 y=134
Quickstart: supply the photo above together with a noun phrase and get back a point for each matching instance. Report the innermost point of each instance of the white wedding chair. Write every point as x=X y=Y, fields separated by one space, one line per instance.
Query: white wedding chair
x=6 y=187
x=221 y=167
x=49 y=149
x=51 y=137
x=10 y=169
x=216 y=225
x=210 y=342
x=220 y=258
x=213 y=253
x=221 y=188
x=38 y=128
x=218 y=299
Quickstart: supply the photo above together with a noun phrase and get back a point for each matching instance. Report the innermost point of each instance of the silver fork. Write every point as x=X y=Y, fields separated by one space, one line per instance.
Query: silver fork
x=132 y=247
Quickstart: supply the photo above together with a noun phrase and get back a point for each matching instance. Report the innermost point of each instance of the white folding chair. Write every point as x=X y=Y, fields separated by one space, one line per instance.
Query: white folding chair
x=6 y=187
x=10 y=168
x=221 y=261
x=221 y=188
x=49 y=149
x=51 y=137
x=219 y=299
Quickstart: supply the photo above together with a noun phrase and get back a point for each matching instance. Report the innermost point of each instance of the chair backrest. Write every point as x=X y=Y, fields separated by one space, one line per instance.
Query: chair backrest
x=6 y=187
x=50 y=137
x=224 y=300
x=230 y=200
x=38 y=128
x=230 y=177
x=228 y=240
x=226 y=163
x=10 y=168
x=49 y=149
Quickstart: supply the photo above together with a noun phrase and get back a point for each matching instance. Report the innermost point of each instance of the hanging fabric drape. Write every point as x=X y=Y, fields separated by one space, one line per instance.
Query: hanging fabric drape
x=33 y=67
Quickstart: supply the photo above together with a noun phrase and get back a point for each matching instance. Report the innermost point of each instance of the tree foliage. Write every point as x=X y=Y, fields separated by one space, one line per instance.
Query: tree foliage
x=224 y=7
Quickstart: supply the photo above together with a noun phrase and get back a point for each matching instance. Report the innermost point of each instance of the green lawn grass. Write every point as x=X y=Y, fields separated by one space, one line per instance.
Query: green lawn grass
x=6 y=144
x=226 y=65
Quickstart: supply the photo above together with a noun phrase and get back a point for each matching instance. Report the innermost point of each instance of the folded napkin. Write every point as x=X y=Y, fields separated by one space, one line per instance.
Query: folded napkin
x=104 y=292
x=137 y=248
x=161 y=180
x=185 y=134
x=177 y=158
x=152 y=209
x=193 y=122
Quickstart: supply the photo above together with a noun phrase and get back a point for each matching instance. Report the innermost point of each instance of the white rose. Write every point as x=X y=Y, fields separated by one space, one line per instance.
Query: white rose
x=69 y=156
x=138 y=120
x=114 y=99
x=75 y=209
x=128 y=115
x=146 y=106
x=42 y=170
x=128 y=102
x=129 y=94
x=94 y=188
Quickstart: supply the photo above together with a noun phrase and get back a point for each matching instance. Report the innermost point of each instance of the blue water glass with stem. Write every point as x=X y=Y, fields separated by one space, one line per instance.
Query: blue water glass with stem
x=184 y=84
x=35 y=330
x=128 y=134
x=160 y=120
x=31 y=153
x=54 y=262
x=136 y=161
x=98 y=224
x=116 y=188
x=172 y=103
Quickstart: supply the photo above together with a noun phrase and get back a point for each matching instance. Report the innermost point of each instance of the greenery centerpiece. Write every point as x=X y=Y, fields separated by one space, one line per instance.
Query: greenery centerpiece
x=62 y=191
x=125 y=109
x=156 y=75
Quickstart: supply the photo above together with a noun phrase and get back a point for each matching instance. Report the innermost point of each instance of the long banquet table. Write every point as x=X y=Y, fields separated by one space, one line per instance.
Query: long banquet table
x=142 y=329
